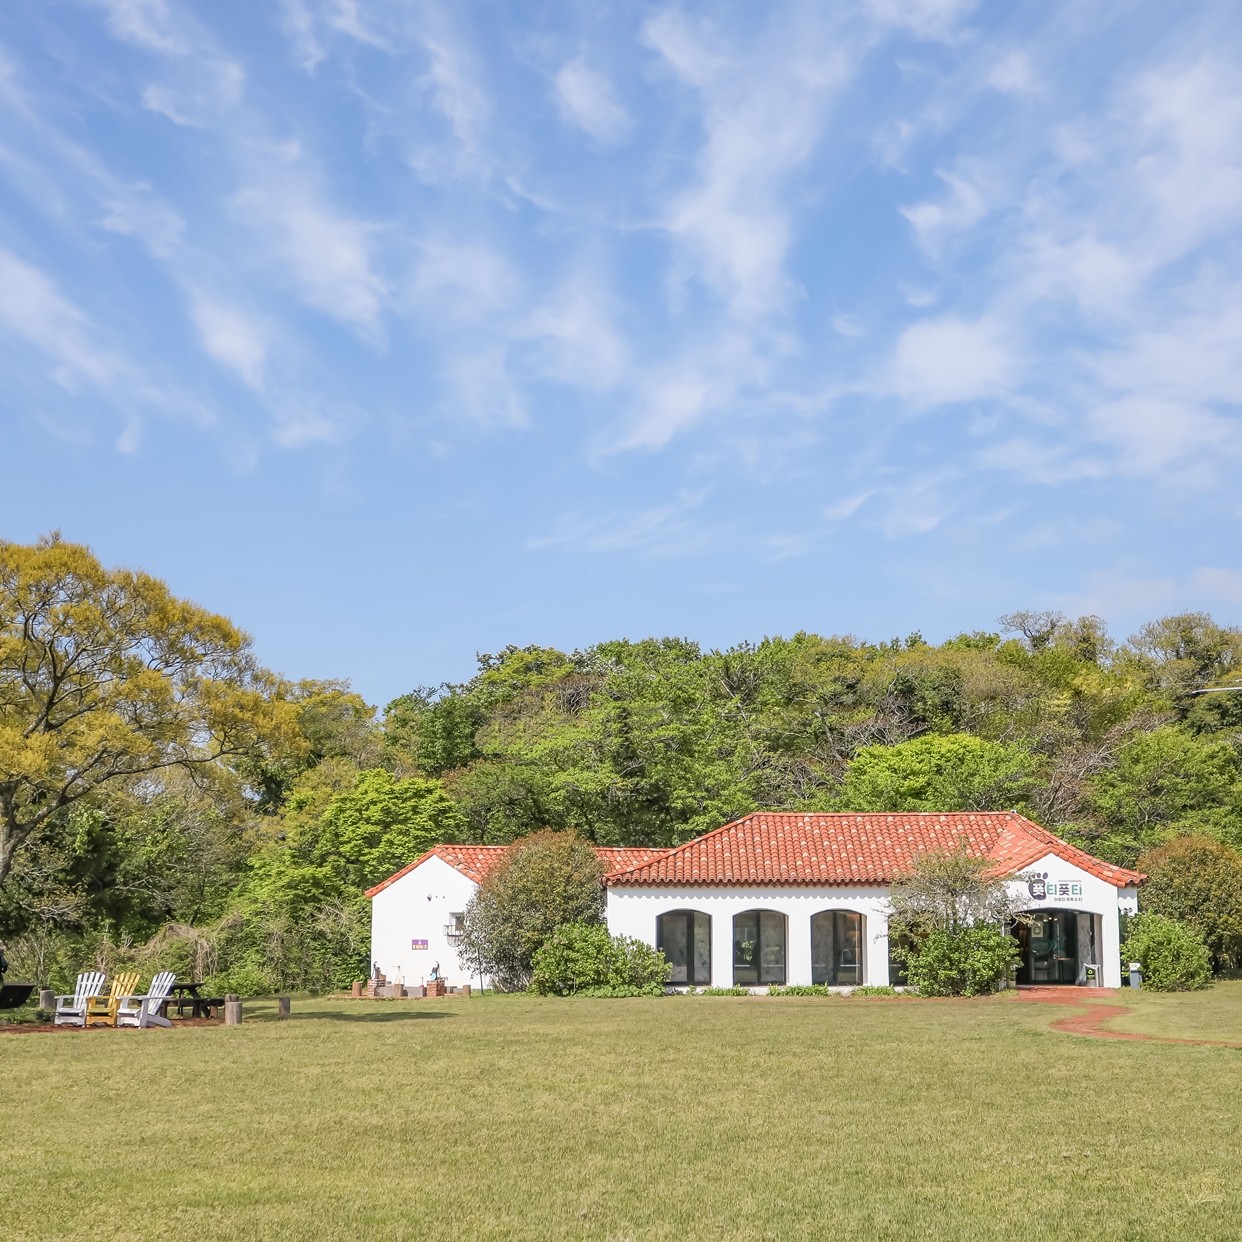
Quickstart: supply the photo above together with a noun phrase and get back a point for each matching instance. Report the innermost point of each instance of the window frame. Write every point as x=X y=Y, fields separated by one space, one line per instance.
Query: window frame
x=760 y=944
x=838 y=915
x=692 y=980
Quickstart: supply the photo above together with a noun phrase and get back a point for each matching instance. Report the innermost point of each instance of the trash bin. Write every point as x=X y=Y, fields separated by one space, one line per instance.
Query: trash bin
x=1136 y=974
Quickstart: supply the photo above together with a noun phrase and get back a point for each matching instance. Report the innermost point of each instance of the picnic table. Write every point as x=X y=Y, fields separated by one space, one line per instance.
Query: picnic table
x=190 y=995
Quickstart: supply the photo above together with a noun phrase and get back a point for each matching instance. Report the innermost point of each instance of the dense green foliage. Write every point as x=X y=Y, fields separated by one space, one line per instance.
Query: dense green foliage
x=969 y=961
x=244 y=815
x=1172 y=955
x=1198 y=881
x=542 y=883
x=945 y=925
x=583 y=959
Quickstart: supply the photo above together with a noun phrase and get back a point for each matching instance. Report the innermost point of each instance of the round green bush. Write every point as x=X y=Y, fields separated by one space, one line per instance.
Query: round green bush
x=582 y=958
x=971 y=961
x=1173 y=956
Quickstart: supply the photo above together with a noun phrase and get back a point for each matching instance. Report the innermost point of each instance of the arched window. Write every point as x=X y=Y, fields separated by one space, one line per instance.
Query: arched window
x=685 y=938
x=837 y=947
x=758 y=947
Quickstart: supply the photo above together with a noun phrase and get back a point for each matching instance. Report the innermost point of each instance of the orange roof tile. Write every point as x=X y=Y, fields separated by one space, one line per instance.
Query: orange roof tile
x=821 y=849
x=475 y=861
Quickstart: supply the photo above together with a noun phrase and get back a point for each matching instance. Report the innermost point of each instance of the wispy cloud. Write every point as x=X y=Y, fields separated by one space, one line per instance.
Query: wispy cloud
x=327 y=256
x=34 y=309
x=657 y=530
x=586 y=99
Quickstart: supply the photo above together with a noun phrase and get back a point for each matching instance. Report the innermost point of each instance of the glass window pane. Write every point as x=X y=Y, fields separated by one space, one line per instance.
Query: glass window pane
x=746 y=948
x=821 y=947
x=848 y=935
x=702 y=949
x=671 y=938
x=771 y=947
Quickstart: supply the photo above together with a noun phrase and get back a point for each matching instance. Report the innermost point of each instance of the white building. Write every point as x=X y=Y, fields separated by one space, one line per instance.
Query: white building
x=796 y=899
x=415 y=913
x=786 y=898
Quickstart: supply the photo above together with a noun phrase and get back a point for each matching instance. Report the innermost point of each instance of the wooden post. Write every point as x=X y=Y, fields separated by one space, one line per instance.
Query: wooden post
x=355 y=989
x=47 y=998
x=232 y=1010
x=465 y=989
x=282 y=1006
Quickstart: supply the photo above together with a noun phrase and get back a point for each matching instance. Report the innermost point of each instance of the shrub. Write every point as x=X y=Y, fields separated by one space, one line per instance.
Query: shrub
x=735 y=991
x=970 y=961
x=542 y=883
x=876 y=989
x=1198 y=881
x=801 y=989
x=1172 y=955
x=583 y=959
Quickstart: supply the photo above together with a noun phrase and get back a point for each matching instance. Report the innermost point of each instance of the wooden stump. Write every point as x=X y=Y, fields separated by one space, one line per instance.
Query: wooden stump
x=355 y=990
x=465 y=990
x=47 y=998
x=282 y=1006
x=232 y=1010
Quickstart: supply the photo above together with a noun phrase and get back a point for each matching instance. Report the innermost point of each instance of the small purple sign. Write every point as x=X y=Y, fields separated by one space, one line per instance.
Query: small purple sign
x=418 y=944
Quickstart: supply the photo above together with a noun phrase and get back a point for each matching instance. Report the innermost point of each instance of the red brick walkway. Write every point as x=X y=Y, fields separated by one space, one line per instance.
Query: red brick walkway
x=1088 y=1019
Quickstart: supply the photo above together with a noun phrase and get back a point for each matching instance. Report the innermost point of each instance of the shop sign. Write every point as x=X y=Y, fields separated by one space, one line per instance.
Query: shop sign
x=418 y=944
x=1041 y=888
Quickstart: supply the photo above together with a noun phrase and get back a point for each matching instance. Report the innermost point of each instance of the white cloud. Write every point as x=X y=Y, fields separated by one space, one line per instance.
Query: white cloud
x=232 y=337
x=574 y=339
x=930 y=19
x=149 y=24
x=307 y=24
x=662 y=530
x=847 y=506
x=327 y=255
x=939 y=222
x=947 y=360
x=1154 y=436
x=763 y=113
x=585 y=98
x=211 y=89
x=456 y=92
x=1013 y=74
x=34 y=310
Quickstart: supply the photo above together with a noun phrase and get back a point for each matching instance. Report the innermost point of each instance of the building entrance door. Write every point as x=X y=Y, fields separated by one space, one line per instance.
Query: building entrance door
x=1049 y=947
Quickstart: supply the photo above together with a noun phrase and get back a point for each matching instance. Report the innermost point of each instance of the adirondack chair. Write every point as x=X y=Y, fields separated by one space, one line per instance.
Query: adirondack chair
x=144 y=1011
x=71 y=1010
x=101 y=1010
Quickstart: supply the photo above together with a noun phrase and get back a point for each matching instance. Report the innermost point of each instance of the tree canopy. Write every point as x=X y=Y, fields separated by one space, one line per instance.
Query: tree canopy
x=105 y=676
x=154 y=775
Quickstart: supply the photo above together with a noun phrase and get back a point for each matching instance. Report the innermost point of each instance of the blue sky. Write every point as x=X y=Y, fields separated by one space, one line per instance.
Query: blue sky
x=401 y=331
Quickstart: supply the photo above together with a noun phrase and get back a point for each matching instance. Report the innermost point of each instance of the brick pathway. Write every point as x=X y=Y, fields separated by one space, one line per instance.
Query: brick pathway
x=1090 y=1015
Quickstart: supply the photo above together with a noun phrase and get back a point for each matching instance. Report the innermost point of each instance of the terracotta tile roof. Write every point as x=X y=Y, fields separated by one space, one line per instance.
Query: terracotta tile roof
x=820 y=849
x=475 y=861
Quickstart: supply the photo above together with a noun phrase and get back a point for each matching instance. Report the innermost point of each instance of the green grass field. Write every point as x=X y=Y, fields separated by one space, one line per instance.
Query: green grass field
x=511 y=1117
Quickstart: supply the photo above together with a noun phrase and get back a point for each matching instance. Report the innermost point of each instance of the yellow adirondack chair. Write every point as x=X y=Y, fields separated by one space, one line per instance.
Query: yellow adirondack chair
x=101 y=1010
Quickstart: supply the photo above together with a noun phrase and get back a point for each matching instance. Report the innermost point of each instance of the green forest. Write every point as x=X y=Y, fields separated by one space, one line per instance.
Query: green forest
x=163 y=797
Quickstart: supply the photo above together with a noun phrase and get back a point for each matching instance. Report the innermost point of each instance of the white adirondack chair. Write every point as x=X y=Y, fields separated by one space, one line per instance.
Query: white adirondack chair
x=71 y=1010
x=144 y=1011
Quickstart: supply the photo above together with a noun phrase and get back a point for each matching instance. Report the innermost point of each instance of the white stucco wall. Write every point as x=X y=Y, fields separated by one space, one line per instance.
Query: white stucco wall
x=418 y=907
x=633 y=912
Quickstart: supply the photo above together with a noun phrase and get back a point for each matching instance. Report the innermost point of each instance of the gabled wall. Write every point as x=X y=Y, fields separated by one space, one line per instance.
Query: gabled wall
x=419 y=906
x=1067 y=887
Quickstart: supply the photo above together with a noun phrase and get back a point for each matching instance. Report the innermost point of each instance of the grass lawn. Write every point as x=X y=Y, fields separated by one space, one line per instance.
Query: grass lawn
x=517 y=1118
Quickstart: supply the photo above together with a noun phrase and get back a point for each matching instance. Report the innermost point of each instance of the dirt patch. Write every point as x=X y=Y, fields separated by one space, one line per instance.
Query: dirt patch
x=43 y=1028
x=1091 y=1015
